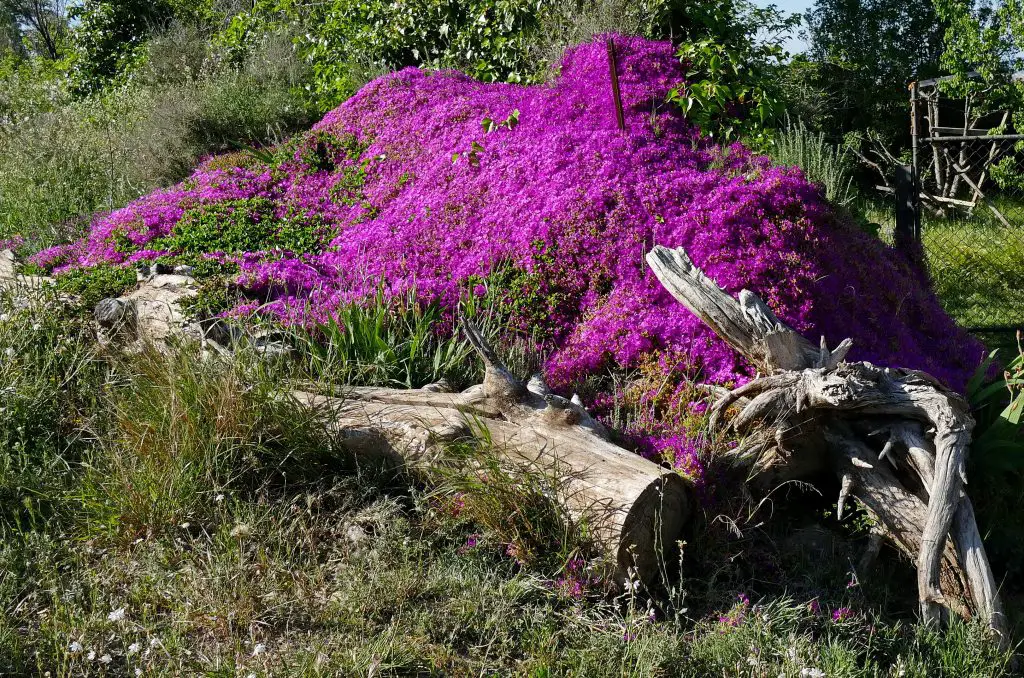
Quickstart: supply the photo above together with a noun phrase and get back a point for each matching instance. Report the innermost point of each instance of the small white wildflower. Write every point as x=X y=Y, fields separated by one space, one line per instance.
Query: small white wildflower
x=259 y=649
x=241 y=530
x=138 y=672
x=153 y=642
x=219 y=498
x=812 y=673
x=106 y=659
x=91 y=655
x=4 y=317
x=185 y=526
x=792 y=653
x=75 y=647
x=133 y=648
x=251 y=675
x=36 y=327
x=117 y=615
x=9 y=352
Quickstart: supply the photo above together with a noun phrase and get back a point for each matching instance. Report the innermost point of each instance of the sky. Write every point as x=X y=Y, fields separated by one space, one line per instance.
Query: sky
x=794 y=44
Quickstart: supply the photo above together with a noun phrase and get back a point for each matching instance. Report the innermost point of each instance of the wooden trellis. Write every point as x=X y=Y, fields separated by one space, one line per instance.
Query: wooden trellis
x=955 y=147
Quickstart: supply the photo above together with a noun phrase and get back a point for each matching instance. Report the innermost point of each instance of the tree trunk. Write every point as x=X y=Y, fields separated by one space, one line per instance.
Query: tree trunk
x=811 y=409
x=635 y=509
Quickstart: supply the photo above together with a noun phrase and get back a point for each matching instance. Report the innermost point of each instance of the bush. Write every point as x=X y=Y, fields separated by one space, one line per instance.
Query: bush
x=439 y=200
x=349 y=43
x=66 y=159
x=91 y=285
x=60 y=166
x=823 y=163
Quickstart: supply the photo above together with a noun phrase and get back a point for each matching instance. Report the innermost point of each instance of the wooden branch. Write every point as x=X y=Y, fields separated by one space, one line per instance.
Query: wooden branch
x=748 y=325
x=814 y=404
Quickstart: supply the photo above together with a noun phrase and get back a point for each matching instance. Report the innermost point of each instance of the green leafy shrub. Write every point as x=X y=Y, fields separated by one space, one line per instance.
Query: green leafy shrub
x=214 y=295
x=91 y=285
x=243 y=226
x=110 y=35
x=347 y=43
x=487 y=38
x=729 y=52
x=997 y=457
x=998 y=409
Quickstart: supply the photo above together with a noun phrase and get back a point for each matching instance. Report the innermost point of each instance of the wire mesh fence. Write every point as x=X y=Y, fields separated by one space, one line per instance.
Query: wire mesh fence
x=970 y=177
x=972 y=194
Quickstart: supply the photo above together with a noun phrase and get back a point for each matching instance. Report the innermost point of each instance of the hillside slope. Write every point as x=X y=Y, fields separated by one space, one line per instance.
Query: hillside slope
x=436 y=184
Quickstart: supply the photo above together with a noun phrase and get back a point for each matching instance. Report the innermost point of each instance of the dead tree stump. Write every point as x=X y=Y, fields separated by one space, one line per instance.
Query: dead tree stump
x=809 y=409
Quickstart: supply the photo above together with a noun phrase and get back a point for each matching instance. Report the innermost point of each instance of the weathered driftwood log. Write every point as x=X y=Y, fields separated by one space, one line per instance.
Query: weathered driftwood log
x=634 y=508
x=810 y=410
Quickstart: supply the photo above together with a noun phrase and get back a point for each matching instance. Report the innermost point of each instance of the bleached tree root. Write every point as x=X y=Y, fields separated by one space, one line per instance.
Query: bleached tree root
x=634 y=509
x=897 y=439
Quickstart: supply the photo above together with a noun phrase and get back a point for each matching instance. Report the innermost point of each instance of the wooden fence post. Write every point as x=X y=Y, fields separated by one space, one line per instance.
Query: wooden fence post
x=908 y=209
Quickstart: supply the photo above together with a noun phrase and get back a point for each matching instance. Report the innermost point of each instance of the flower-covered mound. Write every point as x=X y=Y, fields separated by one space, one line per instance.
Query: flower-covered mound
x=435 y=183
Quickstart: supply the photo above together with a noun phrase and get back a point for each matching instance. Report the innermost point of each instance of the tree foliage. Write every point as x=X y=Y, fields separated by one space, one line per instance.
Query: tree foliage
x=866 y=52
x=730 y=51
x=984 y=48
x=110 y=35
x=38 y=27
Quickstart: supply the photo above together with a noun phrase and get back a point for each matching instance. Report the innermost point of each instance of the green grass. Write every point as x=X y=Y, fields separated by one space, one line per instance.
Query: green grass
x=976 y=264
x=176 y=516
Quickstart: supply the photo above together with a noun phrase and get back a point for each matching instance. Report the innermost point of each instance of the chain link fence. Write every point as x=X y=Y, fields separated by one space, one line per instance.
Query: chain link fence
x=970 y=178
x=973 y=231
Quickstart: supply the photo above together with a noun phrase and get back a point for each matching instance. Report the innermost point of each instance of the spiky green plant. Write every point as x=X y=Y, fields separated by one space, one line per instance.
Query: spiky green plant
x=822 y=162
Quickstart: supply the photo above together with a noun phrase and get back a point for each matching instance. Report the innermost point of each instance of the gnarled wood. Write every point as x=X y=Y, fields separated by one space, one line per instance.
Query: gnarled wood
x=635 y=508
x=812 y=403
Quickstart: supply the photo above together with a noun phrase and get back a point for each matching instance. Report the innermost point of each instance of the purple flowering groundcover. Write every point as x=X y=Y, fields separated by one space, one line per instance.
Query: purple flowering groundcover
x=432 y=183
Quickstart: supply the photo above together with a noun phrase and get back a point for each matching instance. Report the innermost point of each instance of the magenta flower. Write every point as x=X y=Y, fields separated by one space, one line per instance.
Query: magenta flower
x=737 y=614
x=841 y=613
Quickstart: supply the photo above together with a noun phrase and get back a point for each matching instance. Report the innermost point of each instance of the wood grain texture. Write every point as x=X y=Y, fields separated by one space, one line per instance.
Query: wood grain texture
x=811 y=406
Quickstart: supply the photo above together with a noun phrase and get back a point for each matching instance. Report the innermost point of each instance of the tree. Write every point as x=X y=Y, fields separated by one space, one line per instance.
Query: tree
x=868 y=51
x=10 y=35
x=43 y=24
x=110 y=34
x=983 y=49
x=732 y=52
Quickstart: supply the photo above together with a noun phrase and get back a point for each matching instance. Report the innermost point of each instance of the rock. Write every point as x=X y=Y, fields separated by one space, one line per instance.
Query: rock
x=356 y=535
x=119 y=316
x=219 y=331
x=157 y=303
x=9 y=276
x=7 y=270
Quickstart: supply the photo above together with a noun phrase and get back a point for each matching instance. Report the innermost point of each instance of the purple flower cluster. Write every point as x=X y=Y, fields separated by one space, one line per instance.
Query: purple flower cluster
x=679 y=452
x=436 y=201
x=573 y=582
x=11 y=243
x=841 y=613
x=737 y=614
